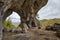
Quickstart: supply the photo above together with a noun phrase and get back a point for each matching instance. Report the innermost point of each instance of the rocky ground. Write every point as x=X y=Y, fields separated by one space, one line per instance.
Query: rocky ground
x=33 y=34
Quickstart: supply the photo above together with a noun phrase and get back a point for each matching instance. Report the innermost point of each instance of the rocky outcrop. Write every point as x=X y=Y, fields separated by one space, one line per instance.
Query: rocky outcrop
x=27 y=9
x=55 y=27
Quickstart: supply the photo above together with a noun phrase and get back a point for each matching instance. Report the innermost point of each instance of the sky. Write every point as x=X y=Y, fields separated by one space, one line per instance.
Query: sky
x=14 y=17
x=49 y=11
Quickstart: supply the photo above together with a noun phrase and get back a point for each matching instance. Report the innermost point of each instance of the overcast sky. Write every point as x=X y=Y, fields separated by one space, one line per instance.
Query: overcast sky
x=51 y=10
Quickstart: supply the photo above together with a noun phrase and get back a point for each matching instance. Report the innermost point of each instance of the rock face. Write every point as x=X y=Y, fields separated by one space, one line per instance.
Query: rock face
x=55 y=27
x=27 y=9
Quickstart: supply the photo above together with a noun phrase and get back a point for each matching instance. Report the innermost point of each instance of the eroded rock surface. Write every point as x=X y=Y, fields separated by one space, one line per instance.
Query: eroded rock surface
x=27 y=10
x=33 y=34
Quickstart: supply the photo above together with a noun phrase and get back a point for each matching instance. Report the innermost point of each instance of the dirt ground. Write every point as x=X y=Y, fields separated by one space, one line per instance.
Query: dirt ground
x=33 y=34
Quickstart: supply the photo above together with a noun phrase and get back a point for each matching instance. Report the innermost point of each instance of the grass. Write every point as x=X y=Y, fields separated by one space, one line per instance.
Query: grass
x=49 y=22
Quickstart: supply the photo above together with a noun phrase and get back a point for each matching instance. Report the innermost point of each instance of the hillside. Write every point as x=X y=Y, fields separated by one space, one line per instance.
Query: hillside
x=49 y=22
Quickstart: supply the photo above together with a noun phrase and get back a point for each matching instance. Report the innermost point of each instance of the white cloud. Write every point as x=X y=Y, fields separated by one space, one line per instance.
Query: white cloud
x=14 y=15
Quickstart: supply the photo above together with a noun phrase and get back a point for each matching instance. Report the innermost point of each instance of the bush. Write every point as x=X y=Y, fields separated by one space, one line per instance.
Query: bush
x=8 y=24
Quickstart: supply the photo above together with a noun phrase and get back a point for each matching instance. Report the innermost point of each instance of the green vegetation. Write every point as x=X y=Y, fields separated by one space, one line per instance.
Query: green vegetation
x=49 y=22
x=8 y=24
x=44 y=23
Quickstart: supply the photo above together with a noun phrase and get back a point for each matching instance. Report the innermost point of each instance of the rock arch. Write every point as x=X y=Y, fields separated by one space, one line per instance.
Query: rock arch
x=27 y=9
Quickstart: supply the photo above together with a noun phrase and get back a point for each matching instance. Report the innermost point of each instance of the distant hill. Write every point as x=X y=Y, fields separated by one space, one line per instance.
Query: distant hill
x=49 y=22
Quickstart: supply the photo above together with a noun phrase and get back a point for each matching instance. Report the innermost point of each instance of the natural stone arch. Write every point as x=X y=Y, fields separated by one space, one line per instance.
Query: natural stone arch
x=8 y=12
x=27 y=9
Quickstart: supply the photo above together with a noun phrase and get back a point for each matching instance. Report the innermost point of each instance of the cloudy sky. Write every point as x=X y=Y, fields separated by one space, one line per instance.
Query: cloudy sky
x=50 y=11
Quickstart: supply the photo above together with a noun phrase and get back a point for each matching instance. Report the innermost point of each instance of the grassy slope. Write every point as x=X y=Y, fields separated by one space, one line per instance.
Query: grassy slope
x=49 y=22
